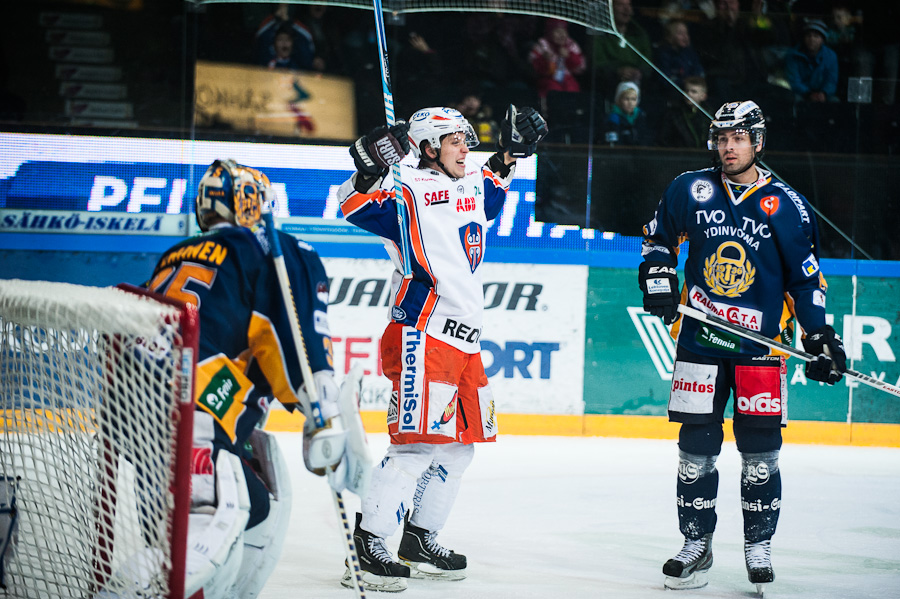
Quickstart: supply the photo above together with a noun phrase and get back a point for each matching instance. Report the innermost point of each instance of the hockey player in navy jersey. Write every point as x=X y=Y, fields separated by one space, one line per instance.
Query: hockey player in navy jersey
x=246 y=356
x=441 y=402
x=753 y=259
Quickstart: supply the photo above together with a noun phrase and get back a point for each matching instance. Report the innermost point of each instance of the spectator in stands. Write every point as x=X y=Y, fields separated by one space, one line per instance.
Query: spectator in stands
x=496 y=50
x=732 y=54
x=418 y=73
x=325 y=29
x=626 y=124
x=844 y=36
x=675 y=56
x=479 y=115
x=557 y=59
x=684 y=125
x=812 y=67
x=279 y=23
x=283 y=49
x=613 y=62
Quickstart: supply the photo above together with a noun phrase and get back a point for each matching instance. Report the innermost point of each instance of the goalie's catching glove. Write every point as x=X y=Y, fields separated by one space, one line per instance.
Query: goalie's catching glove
x=373 y=154
x=521 y=130
x=659 y=282
x=831 y=360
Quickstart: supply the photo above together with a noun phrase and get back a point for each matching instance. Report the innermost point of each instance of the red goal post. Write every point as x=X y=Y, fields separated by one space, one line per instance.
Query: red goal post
x=96 y=389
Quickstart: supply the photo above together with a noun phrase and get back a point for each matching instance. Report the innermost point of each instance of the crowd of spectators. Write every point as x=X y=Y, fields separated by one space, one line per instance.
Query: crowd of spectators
x=787 y=55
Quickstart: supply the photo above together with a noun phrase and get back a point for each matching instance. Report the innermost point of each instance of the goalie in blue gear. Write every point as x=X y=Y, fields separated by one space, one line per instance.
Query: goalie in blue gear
x=240 y=489
x=754 y=260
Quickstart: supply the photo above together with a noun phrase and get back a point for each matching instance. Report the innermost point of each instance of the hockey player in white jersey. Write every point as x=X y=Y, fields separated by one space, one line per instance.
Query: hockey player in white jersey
x=754 y=260
x=441 y=402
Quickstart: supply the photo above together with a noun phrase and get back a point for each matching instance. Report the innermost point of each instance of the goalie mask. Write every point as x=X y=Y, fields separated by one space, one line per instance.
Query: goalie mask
x=237 y=193
x=744 y=116
x=431 y=124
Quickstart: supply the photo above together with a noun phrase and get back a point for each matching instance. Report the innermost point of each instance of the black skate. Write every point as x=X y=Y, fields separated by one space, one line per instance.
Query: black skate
x=426 y=559
x=689 y=569
x=380 y=571
x=758 y=557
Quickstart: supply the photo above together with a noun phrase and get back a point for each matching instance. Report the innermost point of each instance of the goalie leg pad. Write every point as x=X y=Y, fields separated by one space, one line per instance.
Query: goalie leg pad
x=216 y=541
x=354 y=473
x=263 y=543
x=437 y=487
x=203 y=476
x=392 y=487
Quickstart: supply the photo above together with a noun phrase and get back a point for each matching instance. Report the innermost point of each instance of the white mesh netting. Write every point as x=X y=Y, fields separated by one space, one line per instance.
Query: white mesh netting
x=88 y=393
x=595 y=14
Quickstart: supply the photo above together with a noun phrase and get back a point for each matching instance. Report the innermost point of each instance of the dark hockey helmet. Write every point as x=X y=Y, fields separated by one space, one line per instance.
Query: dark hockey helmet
x=744 y=115
x=237 y=193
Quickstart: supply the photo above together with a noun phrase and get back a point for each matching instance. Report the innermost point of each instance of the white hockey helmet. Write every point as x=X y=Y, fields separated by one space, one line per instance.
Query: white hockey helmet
x=431 y=124
x=237 y=193
x=745 y=115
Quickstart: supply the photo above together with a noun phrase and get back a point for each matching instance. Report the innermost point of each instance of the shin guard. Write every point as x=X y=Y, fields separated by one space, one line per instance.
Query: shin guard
x=697 y=489
x=760 y=494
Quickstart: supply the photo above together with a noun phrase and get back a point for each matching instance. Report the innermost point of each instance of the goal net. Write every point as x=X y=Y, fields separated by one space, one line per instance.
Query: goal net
x=593 y=14
x=95 y=390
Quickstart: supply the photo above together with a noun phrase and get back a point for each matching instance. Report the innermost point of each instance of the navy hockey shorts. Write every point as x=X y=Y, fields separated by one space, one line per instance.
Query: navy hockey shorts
x=702 y=386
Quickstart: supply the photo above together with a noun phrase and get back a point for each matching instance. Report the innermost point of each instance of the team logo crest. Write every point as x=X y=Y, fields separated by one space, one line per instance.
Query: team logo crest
x=729 y=272
x=472 y=238
x=701 y=190
x=769 y=205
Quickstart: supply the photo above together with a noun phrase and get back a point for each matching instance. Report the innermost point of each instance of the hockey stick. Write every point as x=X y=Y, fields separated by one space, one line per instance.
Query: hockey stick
x=314 y=409
x=402 y=211
x=793 y=351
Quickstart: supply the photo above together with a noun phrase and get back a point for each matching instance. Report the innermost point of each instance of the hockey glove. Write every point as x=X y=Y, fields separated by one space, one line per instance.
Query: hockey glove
x=323 y=447
x=659 y=282
x=374 y=153
x=521 y=130
x=831 y=360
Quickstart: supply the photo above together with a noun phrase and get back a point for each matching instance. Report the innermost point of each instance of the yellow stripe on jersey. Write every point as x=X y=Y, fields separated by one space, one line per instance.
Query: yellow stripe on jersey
x=266 y=348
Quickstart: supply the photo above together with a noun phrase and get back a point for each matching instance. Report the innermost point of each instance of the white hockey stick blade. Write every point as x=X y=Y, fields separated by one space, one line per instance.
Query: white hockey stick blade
x=792 y=351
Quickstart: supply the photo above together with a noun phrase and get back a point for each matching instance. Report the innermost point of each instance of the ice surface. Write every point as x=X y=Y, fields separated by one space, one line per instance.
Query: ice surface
x=547 y=517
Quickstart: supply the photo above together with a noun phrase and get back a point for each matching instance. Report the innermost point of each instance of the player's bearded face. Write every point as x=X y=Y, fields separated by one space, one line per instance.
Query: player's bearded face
x=453 y=154
x=736 y=151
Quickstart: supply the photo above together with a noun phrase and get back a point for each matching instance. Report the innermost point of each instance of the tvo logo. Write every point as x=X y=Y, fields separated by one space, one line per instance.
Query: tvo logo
x=760 y=404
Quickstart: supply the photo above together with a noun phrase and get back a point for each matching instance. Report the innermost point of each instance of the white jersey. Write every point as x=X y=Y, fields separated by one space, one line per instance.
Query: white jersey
x=447 y=224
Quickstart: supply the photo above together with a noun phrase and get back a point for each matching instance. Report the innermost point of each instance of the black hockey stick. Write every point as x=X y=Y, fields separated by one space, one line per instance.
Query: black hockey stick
x=793 y=351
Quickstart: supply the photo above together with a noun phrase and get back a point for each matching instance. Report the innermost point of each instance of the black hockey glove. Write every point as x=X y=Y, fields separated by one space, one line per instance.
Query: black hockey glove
x=374 y=153
x=831 y=360
x=521 y=130
x=659 y=282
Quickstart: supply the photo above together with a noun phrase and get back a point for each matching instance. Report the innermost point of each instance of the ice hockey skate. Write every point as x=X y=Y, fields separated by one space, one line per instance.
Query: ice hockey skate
x=426 y=558
x=689 y=569
x=380 y=571
x=758 y=557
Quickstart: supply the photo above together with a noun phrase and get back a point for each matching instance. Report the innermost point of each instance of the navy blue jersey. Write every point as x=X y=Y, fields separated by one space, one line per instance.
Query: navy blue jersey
x=753 y=258
x=246 y=350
